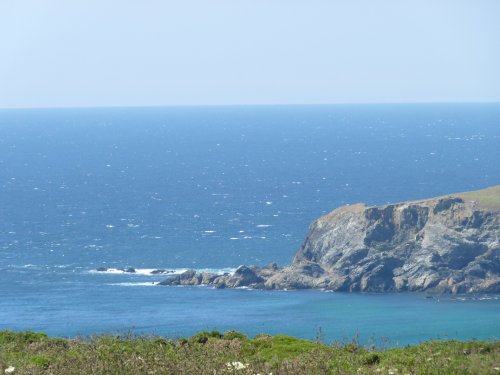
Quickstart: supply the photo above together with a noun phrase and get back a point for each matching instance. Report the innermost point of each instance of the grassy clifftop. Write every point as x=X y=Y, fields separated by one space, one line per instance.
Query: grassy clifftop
x=234 y=353
x=487 y=198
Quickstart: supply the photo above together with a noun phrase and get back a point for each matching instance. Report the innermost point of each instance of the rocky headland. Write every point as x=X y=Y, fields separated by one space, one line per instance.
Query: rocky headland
x=448 y=244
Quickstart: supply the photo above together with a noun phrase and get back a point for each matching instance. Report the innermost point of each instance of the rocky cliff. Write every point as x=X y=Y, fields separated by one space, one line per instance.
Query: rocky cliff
x=445 y=244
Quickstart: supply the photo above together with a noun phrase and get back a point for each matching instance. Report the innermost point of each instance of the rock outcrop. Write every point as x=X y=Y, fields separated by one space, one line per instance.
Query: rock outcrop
x=252 y=277
x=446 y=244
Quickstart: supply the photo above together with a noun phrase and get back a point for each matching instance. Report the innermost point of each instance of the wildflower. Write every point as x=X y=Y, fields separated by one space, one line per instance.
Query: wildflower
x=10 y=370
x=236 y=365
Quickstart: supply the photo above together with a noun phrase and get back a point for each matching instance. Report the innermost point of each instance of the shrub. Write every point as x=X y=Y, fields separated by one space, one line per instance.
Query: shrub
x=231 y=335
x=371 y=359
x=200 y=337
x=40 y=360
x=215 y=334
x=27 y=337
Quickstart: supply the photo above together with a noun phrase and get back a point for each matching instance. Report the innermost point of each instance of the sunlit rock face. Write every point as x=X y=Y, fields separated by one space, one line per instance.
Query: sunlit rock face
x=446 y=245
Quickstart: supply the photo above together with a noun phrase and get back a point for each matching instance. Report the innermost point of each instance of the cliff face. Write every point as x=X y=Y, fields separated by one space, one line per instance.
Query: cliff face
x=446 y=244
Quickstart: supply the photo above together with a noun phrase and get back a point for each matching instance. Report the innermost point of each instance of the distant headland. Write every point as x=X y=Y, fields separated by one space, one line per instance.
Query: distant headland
x=448 y=244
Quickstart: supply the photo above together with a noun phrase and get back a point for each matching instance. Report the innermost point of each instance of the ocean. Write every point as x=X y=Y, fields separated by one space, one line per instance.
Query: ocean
x=213 y=188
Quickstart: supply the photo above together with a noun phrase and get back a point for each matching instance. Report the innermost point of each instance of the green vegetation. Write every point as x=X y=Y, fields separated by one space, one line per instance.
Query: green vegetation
x=487 y=198
x=234 y=353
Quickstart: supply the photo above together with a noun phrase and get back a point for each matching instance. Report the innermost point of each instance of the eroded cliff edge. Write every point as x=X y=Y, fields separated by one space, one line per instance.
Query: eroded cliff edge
x=445 y=244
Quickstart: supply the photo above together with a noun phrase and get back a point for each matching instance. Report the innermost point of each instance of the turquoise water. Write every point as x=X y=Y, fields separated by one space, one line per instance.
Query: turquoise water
x=213 y=188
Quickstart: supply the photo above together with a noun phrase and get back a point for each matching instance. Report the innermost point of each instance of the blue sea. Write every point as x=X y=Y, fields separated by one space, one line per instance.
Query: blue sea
x=213 y=188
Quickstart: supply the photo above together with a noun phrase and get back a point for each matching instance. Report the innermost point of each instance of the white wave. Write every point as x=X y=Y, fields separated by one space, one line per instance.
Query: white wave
x=141 y=271
x=168 y=271
x=263 y=225
x=217 y=271
x=135 y=284
x=148 y=271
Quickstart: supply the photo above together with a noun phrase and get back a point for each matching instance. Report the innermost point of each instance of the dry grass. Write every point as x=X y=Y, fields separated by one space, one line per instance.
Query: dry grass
x=487 y=198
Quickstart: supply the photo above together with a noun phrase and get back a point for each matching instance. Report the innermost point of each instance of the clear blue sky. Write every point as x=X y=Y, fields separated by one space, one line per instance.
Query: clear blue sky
x=59 y=53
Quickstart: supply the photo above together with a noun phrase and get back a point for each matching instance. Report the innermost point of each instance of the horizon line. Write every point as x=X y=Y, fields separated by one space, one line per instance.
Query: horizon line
x=247 y=105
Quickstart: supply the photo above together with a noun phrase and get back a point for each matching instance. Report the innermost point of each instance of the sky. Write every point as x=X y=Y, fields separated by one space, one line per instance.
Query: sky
x=85 y=53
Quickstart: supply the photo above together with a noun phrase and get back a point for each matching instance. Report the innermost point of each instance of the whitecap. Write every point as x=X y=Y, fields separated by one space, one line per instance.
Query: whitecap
x=167 y=271
x=141 y=271
x=218 y=271
x=135 y=284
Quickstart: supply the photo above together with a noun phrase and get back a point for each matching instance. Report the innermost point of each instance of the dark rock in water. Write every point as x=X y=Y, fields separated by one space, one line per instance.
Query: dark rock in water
x=102 y=269
x=244 y=276
x=221 y=285
x=447 y=244
x=188 y=277
x=127 y=270
x=160 y=272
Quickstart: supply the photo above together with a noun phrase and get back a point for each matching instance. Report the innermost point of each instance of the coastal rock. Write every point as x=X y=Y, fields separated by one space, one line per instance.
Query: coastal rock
x=244 y=277
x=127 y=270
x=189 y=277
x=447 y=244
x=160 y=272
